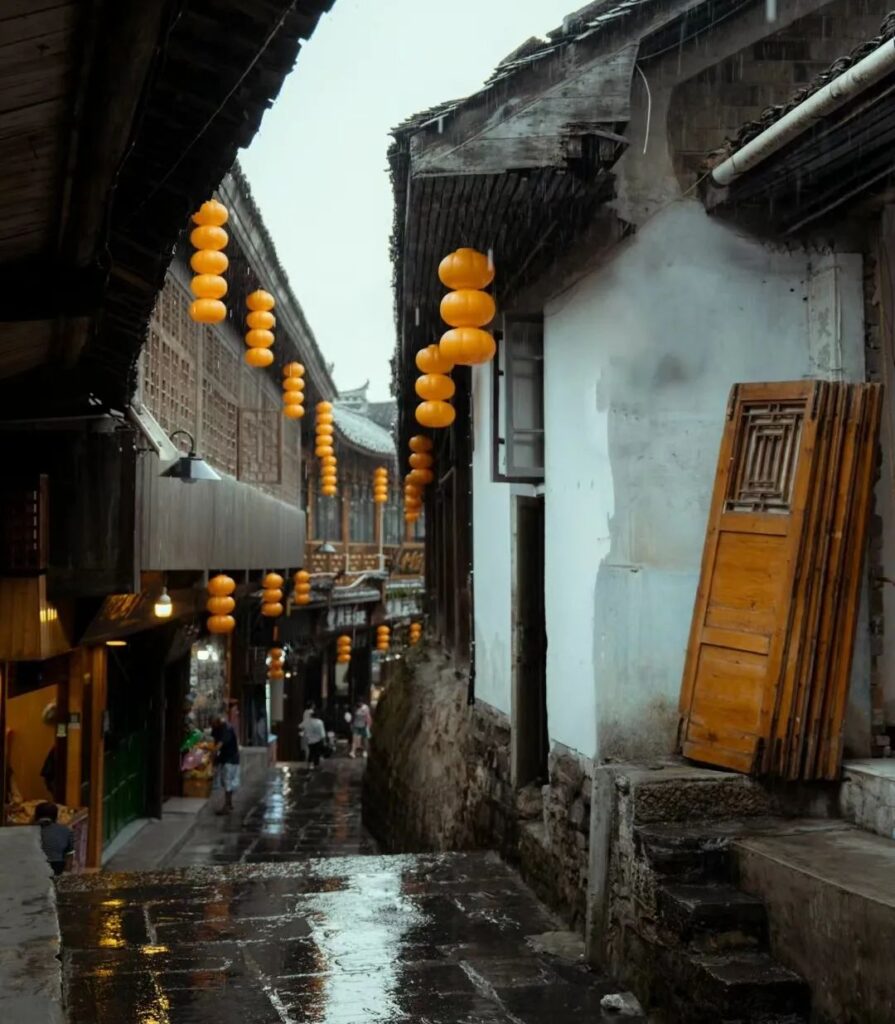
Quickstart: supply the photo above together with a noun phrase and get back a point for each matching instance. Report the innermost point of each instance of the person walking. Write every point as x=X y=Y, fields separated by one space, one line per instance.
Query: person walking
x=57 y=841
x=303 y=731
x=226 y=760
x=315 y=737
x=361 y=724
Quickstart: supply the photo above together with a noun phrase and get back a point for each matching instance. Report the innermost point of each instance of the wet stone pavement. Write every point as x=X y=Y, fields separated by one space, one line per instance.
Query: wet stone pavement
x=282 y=916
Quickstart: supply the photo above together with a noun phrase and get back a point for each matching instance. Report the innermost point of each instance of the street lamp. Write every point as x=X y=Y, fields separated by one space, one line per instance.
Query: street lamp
x=190 y=467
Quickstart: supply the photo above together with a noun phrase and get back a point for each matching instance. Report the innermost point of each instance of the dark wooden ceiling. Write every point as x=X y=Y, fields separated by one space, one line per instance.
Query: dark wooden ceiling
x=116 y=121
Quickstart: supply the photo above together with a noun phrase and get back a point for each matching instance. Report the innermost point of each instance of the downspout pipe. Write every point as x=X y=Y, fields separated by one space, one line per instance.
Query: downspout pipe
x=867 y=72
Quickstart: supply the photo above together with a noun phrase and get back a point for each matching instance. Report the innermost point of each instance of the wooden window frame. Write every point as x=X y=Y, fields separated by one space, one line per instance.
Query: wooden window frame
x=501 y=371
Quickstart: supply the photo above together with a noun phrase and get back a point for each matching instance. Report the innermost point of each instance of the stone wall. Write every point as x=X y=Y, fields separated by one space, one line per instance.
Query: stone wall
x=438 y=773
x=439 y=778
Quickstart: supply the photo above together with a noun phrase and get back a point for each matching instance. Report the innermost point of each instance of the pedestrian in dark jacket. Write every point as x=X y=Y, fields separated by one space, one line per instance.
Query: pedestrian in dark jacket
x=57 y=841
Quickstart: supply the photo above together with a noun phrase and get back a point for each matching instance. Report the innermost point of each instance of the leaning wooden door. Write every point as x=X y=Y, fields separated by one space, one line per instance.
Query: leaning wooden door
x=740 y=627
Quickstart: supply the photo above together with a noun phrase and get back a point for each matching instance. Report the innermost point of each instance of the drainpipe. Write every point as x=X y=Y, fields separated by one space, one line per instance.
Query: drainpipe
x=867 y=72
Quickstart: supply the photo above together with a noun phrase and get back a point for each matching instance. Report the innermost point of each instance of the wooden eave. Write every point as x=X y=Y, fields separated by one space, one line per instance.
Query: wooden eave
x=168 y=95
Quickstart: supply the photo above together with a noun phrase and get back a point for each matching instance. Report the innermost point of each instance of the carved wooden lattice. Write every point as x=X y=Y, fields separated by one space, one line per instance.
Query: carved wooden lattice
x=764 y=459
x=220 y=427
x=170 y=386
x=259 y=446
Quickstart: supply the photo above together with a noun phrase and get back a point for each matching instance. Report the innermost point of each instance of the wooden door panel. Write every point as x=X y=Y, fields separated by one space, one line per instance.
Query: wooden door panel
x=738 y=636
x=767 y=672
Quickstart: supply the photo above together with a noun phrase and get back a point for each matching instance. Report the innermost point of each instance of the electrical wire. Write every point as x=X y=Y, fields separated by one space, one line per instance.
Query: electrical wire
x=187 y=149
x=649 y=107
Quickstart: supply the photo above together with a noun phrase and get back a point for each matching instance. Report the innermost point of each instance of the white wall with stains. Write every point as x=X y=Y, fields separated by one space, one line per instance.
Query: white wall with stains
x=492 y=558
x=640 y=356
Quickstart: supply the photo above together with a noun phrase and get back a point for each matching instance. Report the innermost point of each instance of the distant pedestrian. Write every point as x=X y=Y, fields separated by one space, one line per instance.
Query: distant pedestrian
x=302 y=730
x=57 y=841
x=315 y=737
x=361 y=724
x=226 y=760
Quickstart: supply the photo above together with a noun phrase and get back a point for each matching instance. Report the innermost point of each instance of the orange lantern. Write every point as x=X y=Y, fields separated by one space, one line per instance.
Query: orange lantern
x=380 y=485
x=435 y=414
x=293 y=391
x=209 y=261
x=421 y=460
x=383 y=637
x=431 y=360
x=220 y=604
x=466 y=268
x=207 y=311
x=421 y=443
x=272 y=579
x=221 y=586
x=260 y=300
x=209 y=236
x=343 y=650
x=272 y=610
x=467 y=308
x=259 y=357
x=467 y=346
x=211 y=212
x=261 y=320
x=302 y=580
x=324 y=450
x=208 y=286
x=435 y=387
x=293 y=411
x=415 y=632
x=293 y=370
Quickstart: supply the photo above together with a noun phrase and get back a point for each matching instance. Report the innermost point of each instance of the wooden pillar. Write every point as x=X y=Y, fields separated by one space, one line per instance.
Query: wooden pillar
x=77 y=666
x=4 y=739
x=97 y=661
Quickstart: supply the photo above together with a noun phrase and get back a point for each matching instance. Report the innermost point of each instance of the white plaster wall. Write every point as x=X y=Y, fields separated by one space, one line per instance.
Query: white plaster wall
x=492 y=558
x=639 y=359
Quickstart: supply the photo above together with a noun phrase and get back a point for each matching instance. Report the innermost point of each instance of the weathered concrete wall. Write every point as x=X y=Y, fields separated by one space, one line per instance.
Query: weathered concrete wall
x=640 y=356
x=831 y=906
x=30 y=971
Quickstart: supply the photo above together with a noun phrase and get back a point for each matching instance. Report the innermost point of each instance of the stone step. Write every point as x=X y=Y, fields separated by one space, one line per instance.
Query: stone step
x=686 y=854
x=746 y=986
x=715 y=916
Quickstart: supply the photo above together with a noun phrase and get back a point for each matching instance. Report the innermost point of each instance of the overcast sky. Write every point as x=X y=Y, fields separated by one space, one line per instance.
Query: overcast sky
x=318 y=165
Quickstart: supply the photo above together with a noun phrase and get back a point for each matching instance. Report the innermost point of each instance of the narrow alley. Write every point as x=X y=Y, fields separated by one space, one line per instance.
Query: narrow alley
x=283 y=913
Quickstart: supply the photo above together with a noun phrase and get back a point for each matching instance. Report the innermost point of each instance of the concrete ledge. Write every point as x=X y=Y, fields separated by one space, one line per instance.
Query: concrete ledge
x=30 y=969
x=830 y=897
x=867 y=795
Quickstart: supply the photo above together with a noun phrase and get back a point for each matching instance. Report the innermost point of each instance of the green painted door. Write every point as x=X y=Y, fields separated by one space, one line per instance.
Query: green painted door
x=126 y=770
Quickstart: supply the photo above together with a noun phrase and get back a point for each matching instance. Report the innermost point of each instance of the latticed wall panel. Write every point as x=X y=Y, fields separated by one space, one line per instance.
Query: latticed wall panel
x=170 y=362
x=194 y=379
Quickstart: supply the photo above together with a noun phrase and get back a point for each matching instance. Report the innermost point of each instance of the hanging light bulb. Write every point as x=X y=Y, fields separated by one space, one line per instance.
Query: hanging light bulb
x=164 y=606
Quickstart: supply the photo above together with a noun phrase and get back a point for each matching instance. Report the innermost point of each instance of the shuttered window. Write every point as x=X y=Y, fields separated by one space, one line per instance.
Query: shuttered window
x=519 y=400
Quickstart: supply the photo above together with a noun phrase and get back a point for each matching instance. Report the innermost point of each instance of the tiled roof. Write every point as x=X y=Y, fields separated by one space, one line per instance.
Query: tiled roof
x=586 y=21
x=770 y=115
x=362 y=432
